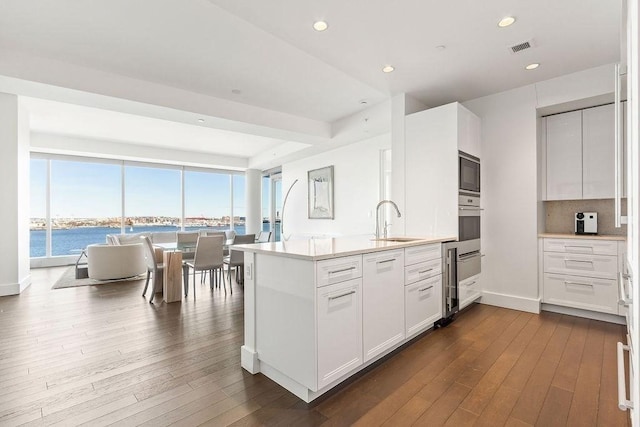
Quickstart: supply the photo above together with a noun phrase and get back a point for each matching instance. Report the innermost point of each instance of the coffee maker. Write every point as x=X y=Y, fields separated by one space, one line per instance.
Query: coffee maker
x=586 y=223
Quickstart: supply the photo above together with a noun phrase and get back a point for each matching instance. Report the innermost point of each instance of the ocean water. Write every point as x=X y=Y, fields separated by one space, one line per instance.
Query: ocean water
x=71 y=241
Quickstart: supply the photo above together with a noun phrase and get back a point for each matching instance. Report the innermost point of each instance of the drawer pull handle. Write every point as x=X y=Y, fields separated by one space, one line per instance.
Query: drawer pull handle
x=342 y=295
x=472 y=283
x=386 y=260
x=623 y=299
x=567 y=282
x=425 y=289
x=578 y=260
x=342 y=270
x=578 y=246
x=623 y=403
x=425 y=271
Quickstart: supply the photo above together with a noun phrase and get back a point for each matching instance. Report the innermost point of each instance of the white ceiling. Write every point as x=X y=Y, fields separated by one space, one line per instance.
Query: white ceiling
x=269 y=52
x=68 y=119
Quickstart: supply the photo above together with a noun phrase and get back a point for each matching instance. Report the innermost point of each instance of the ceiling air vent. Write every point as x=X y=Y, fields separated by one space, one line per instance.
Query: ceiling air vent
x=521 y=46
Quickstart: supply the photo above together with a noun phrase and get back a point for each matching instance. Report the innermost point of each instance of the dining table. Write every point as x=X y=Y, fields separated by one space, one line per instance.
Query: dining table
x=172 y=282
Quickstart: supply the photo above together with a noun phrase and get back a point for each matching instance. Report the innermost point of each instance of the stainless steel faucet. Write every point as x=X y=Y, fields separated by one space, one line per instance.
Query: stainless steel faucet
x=378 y=216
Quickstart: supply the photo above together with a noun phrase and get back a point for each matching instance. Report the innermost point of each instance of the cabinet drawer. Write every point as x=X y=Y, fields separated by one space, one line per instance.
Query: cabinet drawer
x=339 y=310
x=596 y=266
x=424 y=270
x=338 y=270
x=581 y=292
x=422 y=253
x=580 y=246
x=469 y=290
x=423 y=305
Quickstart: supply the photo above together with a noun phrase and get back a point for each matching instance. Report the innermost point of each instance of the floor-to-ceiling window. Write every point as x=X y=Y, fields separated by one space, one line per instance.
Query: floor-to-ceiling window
x=272 y=203
x=39 y=171
x=239 y=205
x=153 y=200
x=207 y=199
x=78 y=201
x=85 y=204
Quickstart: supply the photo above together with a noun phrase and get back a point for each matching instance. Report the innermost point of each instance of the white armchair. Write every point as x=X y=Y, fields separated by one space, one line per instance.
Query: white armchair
x=110 y=262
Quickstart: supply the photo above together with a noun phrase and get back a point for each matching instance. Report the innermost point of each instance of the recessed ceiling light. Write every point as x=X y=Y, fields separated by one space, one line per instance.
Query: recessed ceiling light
x=441 y=47
x=532 y=66
x=388 y=69
x=320 y=25
x=364 y=102
x=236 y=91
x=201 y=120
x=506 y=21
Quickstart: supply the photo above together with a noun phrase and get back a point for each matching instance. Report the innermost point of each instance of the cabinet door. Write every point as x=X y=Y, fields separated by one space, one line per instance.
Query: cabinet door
x=598 y=152
x=468 y=132
x=469 y=290
x=587 y=293
x=339 y=330
x=423 y=305
x=564 y=156
x=382 y=301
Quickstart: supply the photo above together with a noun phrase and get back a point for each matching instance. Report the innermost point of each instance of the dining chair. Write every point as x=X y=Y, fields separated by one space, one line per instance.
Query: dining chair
x=230 y=235
x=208 y=257
x=205 y=232
x=263 y=237
x=187 y=240
x=153 y=266
x=236 y=258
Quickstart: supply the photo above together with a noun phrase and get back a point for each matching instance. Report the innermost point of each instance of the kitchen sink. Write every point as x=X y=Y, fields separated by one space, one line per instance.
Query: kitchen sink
x=397 y=239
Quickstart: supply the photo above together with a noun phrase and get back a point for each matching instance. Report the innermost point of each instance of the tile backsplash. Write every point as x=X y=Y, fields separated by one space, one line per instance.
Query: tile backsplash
x=559 y=215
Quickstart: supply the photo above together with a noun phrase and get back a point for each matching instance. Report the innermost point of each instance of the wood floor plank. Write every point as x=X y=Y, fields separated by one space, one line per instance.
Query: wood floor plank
x=533 y=395
x=555 y=409
x=584 y=406
x=102 y=355
x=567 y=372
x=497 y=411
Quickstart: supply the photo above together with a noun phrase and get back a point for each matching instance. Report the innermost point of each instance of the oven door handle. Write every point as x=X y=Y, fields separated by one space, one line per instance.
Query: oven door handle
x=468 y=256
x=468 y=208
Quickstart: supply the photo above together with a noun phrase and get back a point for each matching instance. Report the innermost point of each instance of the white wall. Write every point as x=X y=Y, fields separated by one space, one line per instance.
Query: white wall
x=14 y=187
x=356 y=190
x=509 y=195
x=510 y=182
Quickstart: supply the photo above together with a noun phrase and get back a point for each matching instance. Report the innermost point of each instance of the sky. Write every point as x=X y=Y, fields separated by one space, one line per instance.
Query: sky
x=93 y=190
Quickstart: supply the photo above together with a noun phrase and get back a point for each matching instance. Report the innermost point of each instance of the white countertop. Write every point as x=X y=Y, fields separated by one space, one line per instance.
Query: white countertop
x=582 y=236
x=319 y=249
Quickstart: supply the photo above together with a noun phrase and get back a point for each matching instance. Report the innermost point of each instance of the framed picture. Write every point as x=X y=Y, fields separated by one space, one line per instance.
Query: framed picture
x=321 y=193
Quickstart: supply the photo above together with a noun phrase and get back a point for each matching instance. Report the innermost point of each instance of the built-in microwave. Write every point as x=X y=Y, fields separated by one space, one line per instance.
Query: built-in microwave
x=468 y=173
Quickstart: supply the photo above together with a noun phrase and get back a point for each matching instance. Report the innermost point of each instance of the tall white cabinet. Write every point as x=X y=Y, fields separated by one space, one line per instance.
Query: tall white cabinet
x=432 y=140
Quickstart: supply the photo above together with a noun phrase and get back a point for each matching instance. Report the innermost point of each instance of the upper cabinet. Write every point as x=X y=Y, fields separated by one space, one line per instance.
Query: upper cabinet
x=432 y=140
x=468 y=132
x=564 y=156
x=580 y=154
x=598 y=153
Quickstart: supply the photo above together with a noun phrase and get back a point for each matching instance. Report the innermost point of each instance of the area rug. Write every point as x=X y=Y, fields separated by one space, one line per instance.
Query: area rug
x=68 y=280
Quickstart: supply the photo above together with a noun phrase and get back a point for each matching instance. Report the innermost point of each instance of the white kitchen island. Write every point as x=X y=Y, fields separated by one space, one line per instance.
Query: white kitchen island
x=317 y=311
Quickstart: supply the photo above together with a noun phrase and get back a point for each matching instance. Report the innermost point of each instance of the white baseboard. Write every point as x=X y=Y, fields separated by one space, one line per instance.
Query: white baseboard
x=7 y=289
x=605 y=317
x=531 y=305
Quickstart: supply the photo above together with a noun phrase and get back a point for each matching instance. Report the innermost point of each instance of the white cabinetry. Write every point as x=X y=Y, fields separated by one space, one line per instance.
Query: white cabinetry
x=582 y=274
x=597 y=152
x=564 y=156
x=580 y=154
x=469 y=290
x=383 y=301
x=432 y=140
x=423 y=288
x=339 y=311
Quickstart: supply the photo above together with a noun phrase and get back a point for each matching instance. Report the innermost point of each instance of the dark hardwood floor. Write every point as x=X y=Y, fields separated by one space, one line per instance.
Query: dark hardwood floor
x=102 y=355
